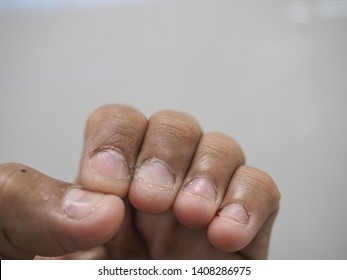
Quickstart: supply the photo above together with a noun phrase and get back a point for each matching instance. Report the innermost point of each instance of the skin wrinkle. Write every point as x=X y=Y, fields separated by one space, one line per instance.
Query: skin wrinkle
x=218 y=153
x=4 y=233
x=219 y=150
x=61 y=241
x=205 y=161
x=253 y=177
x=124 y=140
x=117 y=132
x=172 y=133
x=66 y=243
x=267 y=185
x=106 y=120
x=126 y=130
x=171 y=142
x=113 y=112
x=9 y=241
x=171 y=123
x=5 y=181
x=110 y=138
x=194 y=154
x=111 y=147
x=208 y=160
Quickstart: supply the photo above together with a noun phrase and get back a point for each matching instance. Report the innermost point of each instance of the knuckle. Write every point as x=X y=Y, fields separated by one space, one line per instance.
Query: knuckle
x=22 y=184
x=264 y=183
x=113 y=124
x=221 y=146
x=172 y=125
x=114 y=114
x=15 y=179
x=121 y=131
x=106 y=111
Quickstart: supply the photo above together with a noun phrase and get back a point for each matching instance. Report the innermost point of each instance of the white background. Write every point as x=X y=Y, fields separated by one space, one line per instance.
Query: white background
x=272 y=74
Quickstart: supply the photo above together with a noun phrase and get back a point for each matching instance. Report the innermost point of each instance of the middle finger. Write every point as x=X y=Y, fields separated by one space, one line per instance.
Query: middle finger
x=163 y=161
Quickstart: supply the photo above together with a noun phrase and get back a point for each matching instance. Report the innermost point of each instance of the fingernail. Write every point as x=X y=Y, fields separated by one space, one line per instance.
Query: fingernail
x=110 y=163
x=80 y=203
x=235 y=212
x=202 y=187
x=155 y=172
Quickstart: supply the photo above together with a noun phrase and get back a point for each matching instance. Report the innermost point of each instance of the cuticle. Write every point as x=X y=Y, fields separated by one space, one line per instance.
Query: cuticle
x=233 y=219
x=104 y=148
x=153 y=160
x=201 y=177
x=93 y=152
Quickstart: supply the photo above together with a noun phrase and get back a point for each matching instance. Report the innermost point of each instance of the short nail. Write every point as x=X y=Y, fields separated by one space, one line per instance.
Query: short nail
x=202 y=187
x=155 y=172
x=235 y=212
x=80 y=203
x=110 y=163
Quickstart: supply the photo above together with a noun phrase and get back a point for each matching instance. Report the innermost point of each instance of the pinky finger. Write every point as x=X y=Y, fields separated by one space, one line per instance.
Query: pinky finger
x=245 y=217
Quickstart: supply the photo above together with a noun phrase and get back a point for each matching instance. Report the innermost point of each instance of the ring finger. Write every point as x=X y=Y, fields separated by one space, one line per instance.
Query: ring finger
x=203 y=189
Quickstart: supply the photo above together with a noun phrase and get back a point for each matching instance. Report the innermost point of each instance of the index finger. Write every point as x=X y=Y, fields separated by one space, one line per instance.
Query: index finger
x=113 y=138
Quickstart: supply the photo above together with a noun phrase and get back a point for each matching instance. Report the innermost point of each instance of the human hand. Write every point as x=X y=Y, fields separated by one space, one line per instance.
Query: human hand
x=157 y=188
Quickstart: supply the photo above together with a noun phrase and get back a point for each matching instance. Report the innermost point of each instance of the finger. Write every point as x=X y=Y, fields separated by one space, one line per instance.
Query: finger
x=164 y=159
x=44 y=216
x=113 y=139
x=249 y=203
x=204 y=186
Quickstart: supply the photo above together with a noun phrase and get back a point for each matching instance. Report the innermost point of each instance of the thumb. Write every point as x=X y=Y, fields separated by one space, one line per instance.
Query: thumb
x=40 y=215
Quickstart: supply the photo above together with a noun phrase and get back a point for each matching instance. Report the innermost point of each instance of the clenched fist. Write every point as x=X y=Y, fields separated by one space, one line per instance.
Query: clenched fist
x=156 y=188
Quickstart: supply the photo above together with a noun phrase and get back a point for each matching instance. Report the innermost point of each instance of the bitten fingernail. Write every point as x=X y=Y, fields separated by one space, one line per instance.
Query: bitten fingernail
x=235 y=212
x=110 y=163
x=155 y=173
x=79 y=203
x=202 y=187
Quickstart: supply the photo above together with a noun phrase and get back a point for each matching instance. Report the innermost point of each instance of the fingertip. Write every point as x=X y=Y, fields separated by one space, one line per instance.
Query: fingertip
x=196 y=203
x=148 y=199
x=192 y=211
x=79 y=204
x=153 y=188
x=113 y=138
x=232 y=228
x=105 y=170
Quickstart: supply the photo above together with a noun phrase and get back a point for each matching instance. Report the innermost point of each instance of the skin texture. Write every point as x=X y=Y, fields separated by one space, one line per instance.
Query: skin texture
x=156 y=188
